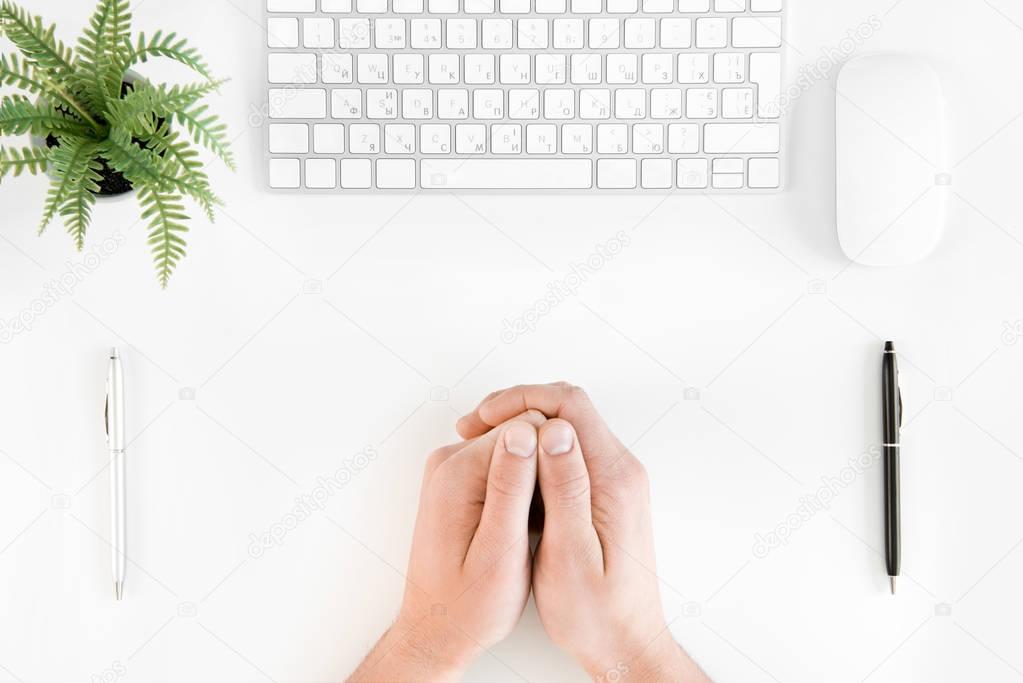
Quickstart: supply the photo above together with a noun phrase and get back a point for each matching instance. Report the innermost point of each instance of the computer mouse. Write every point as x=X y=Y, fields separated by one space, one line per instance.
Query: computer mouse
x=892 y=154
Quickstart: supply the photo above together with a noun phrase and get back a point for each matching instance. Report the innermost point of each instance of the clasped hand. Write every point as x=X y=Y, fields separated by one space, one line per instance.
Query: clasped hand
x=471 y=569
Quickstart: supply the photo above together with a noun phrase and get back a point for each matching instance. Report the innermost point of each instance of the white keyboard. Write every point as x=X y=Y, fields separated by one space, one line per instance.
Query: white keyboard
x=594 y=95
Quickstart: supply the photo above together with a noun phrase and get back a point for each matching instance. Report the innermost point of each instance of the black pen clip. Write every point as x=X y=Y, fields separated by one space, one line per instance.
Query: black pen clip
x=900 y=407
x=106 y=415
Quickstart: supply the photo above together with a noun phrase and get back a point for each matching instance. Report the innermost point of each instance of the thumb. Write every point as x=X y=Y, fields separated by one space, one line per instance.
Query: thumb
x=565 y=487
x=510 y=484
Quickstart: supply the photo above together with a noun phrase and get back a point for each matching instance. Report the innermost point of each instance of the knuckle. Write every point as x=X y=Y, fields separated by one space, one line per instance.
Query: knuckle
x=572 y=492
x=511 y=482
x=435 y=458
x=576 y=394
x=634 y=476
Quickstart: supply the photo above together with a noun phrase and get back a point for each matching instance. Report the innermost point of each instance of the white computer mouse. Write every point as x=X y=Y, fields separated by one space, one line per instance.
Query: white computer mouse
x=891 y=154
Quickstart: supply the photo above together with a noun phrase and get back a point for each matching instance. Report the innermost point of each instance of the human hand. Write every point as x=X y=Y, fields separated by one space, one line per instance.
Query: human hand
x=594 y=576
x=470 y=565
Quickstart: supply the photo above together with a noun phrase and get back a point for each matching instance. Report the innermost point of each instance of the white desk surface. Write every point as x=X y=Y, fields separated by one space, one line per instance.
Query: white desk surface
x=311 y=328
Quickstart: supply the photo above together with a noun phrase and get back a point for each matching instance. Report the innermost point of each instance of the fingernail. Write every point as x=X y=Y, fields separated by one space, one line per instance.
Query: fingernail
x=520 y=439
x=558 y=438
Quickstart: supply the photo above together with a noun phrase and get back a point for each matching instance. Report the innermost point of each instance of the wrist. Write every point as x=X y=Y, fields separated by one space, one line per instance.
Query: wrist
x=662 y=659
x=431 y=643
x=410 y=652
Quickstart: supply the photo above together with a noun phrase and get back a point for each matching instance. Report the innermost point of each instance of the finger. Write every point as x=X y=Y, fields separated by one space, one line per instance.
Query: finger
x=510 y=484
x=564 y=483
x=599 y=445
x=438 y=456
x=470 y=426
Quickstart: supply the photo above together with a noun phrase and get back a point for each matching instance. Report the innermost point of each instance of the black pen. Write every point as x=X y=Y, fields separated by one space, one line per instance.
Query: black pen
x=891 y=401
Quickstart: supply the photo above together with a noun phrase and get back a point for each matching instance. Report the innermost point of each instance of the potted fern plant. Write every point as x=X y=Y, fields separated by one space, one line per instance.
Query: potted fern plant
x=98 y=129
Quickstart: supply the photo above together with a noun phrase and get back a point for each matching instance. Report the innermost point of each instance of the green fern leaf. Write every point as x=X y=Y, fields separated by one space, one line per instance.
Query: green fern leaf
x=20 y=74
x=18 y=116
x=71 y=160
x=191 y=179
x=139 y=165
x=32 y=160
x=139 y=109
x=81 y=195
x=102 y=53
x=35 y=41
x=207 y=131
x=166 y=216
x=169 y=46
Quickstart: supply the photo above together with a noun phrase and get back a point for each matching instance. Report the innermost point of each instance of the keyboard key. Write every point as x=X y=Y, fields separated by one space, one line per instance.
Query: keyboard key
x=282 y=67
x=729 y=5
x=568 y=34
x=290 y=5
x=711 y=33
x=518 y=174
x=733 y=165
x=425 y=34
x=756 y=32
x=515 y=69
x=461 y=34
x=398 y=174
x=443 y=6
x=371 y=6
x=559 y=104
x=523 y=104
x=541 y=138
x=281 y=32
x=550 y=6
x=497 y=34
x=622 y=6
x=336 y=6
x=765 y=5
x=612 y=138
x=363 y=138
x=691 y=173
x=320 y=173
x=515 y=6
x=658 y=6
x=284 y=173
x=297 y=103
x=372 y=68
x=288 y=138
x=742 y=138
x=693 y=68
x=729 y=67
x=577 y=138
x=737 y=103
x=551 y=69
x=479 y=6
x=658 y=68
x=353 y=33
x=765 y=72
x=764 y=173
x=328 y=138
x=665 y=103
x=399 y=138
x=727 y=181
x=586 y=6
x=639 y=33
x=452 y=104
x=622 y=68
x=435 y=138
x=630 y=103
x=532 y=34
x=488 y=104
x=647 y=138
x=346 y=103
x=444 y=69
x=676 y=33
x=336 y=67
x=506 y=138
x=318 y=32
x=389 y=33
x=408 y=6
x=616 y=173
x=655 y=174
x=381 y=103
x=693 y=5
x=471 y=138
x=701 y=103
x=408 y=69
x=355 y=173
x=604 y=34
x=480 y=69
x=594 y=103
x=417 y=104
x=585 y=68
x=683 y=138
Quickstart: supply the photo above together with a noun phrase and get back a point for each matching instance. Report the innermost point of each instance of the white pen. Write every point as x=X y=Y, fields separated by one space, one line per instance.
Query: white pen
x=114 y=419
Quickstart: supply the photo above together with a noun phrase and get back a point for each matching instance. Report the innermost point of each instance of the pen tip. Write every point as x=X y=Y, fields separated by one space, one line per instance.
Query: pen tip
x=113 y=352
x=889 y=346
x=892 y=580
x=119 y=589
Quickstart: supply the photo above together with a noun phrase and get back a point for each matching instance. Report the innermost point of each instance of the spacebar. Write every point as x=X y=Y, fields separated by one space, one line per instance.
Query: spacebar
x=505 y=174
